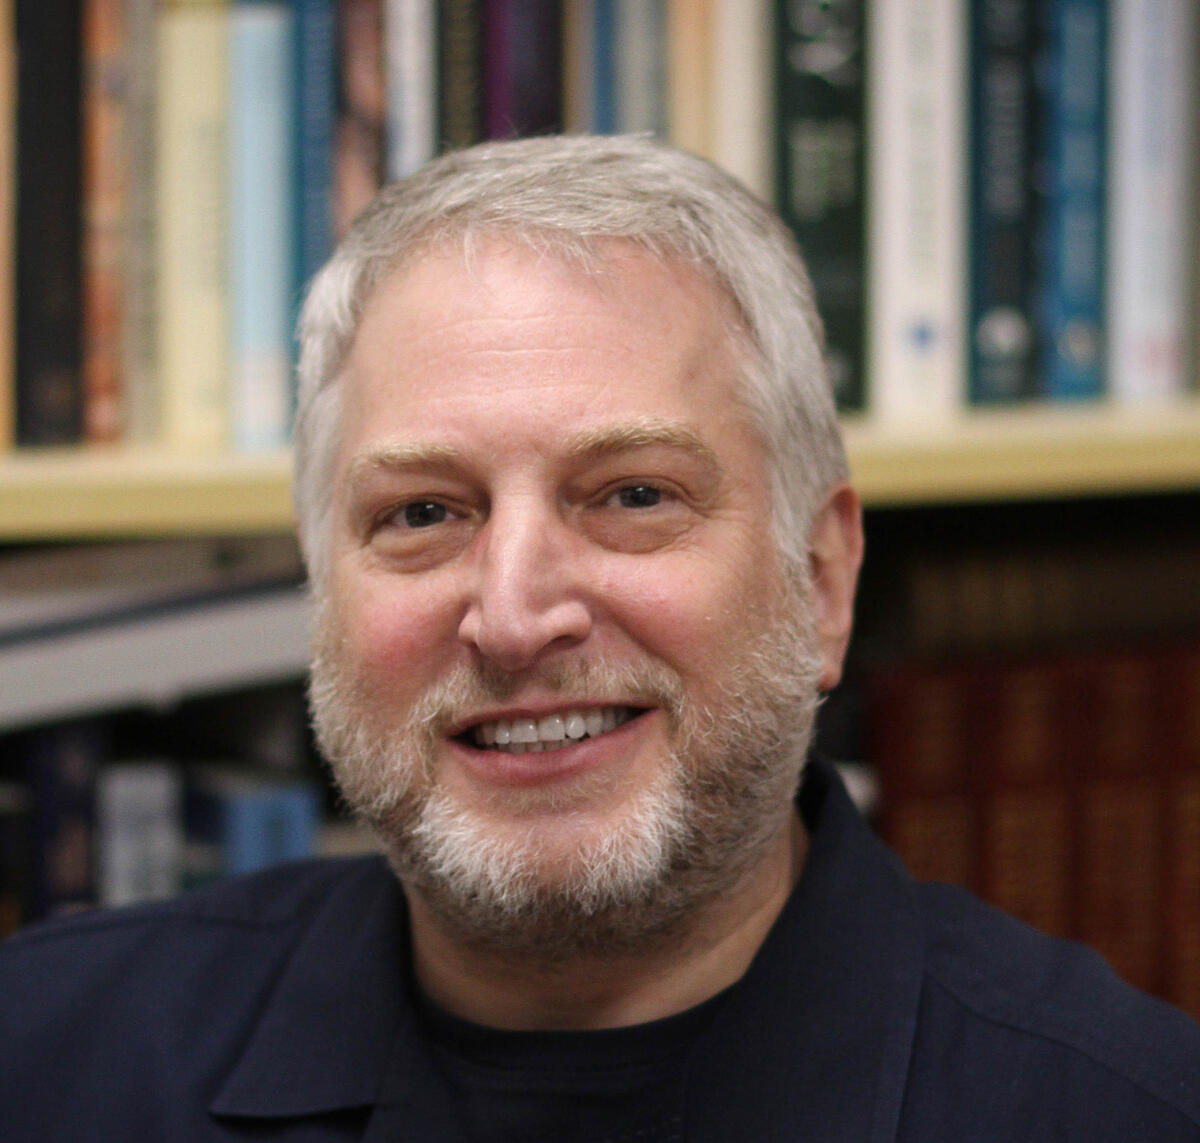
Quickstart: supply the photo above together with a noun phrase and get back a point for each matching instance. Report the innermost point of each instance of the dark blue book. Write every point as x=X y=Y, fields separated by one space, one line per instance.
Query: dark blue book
x=604 y=67
x=314 y=121
x=60 y=764
x=1003 y=207
x=49 y=229
x=1073 y=255
x=820 y=150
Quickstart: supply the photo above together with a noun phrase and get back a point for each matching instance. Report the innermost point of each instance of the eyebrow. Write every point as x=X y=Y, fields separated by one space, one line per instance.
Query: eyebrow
x=646 y=432
x=606 y=440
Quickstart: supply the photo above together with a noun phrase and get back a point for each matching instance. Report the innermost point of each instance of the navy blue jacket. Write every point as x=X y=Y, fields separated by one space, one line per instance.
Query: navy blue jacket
x=276 y=1007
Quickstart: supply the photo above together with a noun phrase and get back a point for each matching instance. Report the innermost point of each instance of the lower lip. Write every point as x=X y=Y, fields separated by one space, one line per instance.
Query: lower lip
x=500 y=768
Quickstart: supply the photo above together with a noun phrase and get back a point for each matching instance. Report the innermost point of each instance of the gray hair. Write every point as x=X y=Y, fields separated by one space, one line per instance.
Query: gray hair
x=568 y=195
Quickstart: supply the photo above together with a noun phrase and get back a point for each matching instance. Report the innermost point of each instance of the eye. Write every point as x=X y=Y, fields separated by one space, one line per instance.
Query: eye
x=424 y=513
x=639 y=496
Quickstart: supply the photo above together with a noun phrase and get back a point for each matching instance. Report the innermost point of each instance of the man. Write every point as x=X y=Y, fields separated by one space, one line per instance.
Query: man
x=583 y=552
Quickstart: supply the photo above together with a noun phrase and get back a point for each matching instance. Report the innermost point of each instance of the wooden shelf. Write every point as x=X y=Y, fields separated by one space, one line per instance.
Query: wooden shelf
x=93 y=493
x=995 y=455
x=1027 y=454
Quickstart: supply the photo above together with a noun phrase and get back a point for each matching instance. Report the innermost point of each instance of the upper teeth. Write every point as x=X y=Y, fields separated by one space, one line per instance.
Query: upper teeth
x=518 y=735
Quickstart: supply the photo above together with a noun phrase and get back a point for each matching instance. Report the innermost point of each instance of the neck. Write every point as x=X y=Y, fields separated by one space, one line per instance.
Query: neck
x=707 y=953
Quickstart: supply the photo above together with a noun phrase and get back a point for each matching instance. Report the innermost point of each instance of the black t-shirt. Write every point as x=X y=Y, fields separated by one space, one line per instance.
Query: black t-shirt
x=621 y=1085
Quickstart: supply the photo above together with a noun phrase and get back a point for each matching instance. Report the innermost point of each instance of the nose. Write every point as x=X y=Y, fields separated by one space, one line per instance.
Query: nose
x=526 y=595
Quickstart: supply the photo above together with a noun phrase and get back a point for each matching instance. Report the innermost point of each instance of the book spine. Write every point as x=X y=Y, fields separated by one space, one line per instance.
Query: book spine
x=638 y=43
x=605 y=26
x=915 y=195
x=1002 y=234
x=139 y=832
x=921 y=744
x=192 y=225
x=1122 y=819
x=104 y=178
x=742 y=128
x=140 y=398
x=460 y=76
x=61 y=762
x=1180 y=682
x=1072 y=311
x=362 y=99
x=314 y=119
x=820 y=73
x=410 y=28
x=523 y=57
x=1153 y=90
x=260 y=181
x=689 y=75
x=16 y=806
x=8 y=103
x=49 y=387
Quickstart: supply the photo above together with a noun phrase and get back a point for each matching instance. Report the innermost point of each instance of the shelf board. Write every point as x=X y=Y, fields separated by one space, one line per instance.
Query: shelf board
x=1028 y=453
x=92 y=493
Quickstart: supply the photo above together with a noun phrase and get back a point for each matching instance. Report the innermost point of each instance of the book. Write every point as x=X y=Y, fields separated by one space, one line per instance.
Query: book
x=192 y=224
x=820 y=149
x=8 y=103
x=410 y=33
x=139 y=831
x=460 y=73
x=637 y=65
x=522 y=67
x=140 y=406
x=742 y=107
x=588 y=106
x=1003 y=223
x=60 y=763
x=314 y=118
x=915 y=211
x=690 y=75
x=361 y=109
x=16 y=807
x=49 y=384
x=1063 y=787
x=240 y=821
x=1072 y=270
x=1153 y=93
x=105 y=173
x=260 y=166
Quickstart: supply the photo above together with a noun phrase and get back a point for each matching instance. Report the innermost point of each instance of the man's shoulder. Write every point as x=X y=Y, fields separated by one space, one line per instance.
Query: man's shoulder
x=244 y=919
x=279 y=896
x=1005 y=992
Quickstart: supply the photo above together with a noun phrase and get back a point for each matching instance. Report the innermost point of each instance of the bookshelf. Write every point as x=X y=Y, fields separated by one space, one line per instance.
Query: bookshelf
x=1022 y=454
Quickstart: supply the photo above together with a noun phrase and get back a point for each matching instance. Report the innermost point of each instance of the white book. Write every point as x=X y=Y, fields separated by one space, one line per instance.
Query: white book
x=139 y=832
x=916 y=178
x=1152 y=92
x=743 y=124
x=641 y=66
x=260 y=194
x=410 y=39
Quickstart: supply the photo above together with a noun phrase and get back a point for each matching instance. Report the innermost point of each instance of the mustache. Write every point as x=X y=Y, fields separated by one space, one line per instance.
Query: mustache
x=469 y=688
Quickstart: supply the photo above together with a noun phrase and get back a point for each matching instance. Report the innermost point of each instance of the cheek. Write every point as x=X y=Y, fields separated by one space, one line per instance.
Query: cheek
x=394 y=630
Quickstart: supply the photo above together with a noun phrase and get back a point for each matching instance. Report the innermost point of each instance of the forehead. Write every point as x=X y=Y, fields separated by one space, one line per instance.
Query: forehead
x=506 y=329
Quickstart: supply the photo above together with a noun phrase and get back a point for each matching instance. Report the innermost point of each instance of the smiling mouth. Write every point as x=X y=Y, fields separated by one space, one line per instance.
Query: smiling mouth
x=533 y=735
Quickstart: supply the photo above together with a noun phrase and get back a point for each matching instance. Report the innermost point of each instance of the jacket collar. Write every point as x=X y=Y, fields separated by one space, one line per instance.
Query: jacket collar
x=820 y=1030
x=818 y=1033
x=322 y=1039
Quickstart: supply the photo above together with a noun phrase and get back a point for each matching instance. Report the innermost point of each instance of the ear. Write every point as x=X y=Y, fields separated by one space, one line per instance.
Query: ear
x=835 y=543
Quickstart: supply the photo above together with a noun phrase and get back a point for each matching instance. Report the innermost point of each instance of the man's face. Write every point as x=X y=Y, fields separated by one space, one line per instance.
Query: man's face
x=559 y=662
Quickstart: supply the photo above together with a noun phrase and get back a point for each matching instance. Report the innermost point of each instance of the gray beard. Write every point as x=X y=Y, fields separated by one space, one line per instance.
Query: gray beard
x=718 y=802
